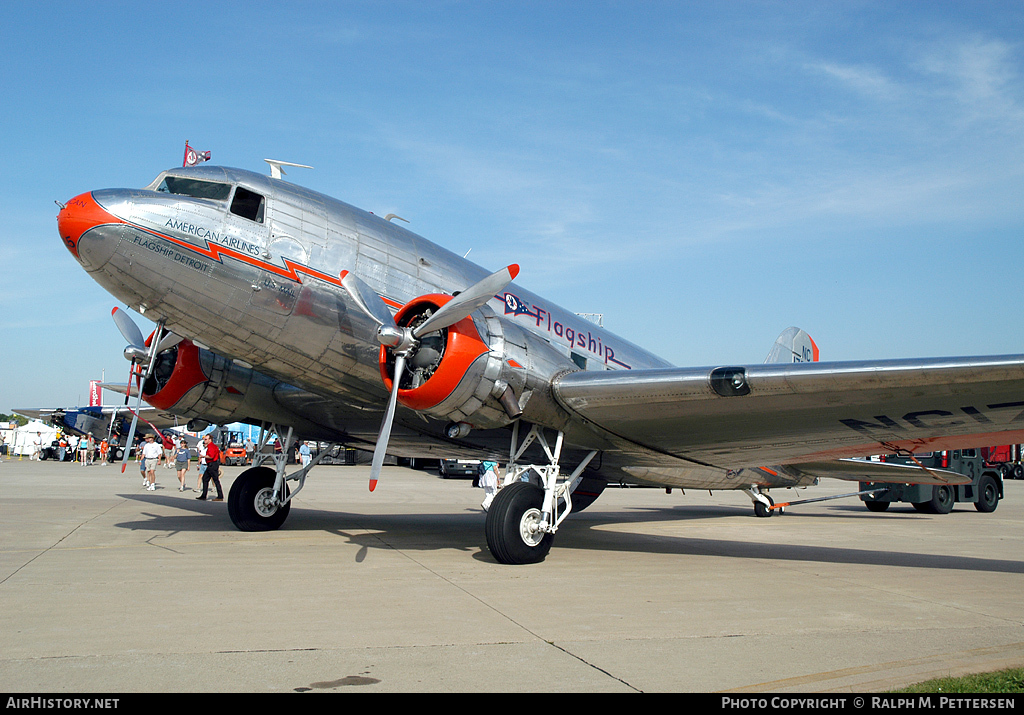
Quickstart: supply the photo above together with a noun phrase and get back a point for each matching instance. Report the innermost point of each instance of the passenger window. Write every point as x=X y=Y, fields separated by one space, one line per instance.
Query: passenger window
x=247 y=204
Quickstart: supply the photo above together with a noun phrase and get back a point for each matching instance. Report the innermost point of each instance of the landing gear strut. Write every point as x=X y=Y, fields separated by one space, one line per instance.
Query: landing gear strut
x=764 y=505
x=532 y=503
x=260 y=499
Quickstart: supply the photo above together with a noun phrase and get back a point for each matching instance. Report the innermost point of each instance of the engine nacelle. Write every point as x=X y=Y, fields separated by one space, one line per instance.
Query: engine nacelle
x=473 y=372
x=195 y=383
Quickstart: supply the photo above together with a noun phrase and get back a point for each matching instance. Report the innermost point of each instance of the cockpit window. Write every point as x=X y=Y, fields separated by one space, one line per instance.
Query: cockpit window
x=247 y=204
x=194 y=188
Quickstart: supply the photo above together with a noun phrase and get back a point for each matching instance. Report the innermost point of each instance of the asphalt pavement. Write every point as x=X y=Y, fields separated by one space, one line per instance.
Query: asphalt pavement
x=108 y=588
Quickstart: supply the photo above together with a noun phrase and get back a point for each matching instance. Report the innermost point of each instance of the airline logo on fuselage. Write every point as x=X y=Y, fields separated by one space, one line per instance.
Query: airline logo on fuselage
x=198 y=231
x=577 y=339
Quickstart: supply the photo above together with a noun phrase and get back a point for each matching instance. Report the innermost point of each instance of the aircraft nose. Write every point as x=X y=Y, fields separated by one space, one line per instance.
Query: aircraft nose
x=83 y=218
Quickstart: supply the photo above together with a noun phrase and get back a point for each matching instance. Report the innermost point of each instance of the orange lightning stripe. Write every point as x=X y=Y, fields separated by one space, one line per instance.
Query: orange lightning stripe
x=291 y=269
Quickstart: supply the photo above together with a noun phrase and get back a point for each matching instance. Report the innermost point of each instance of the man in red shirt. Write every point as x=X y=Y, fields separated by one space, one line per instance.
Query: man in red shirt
x=212 y=469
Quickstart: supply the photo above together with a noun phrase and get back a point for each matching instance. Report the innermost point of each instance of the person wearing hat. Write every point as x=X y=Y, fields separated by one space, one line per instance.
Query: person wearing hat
x=152 y=453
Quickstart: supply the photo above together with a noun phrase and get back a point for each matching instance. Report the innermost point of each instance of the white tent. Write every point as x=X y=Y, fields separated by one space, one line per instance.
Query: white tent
x=25 y=436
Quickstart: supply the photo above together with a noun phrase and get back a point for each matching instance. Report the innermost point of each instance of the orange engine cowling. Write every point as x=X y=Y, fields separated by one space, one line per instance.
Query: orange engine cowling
x=176 y=372
x=453 y=373
x=194 y=383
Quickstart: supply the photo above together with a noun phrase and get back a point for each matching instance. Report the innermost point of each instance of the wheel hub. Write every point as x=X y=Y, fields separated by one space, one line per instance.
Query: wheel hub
x=530 y=527
x=265 y=503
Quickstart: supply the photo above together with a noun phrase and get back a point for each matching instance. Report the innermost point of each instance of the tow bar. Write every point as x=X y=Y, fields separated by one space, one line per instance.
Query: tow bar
x=838 y=496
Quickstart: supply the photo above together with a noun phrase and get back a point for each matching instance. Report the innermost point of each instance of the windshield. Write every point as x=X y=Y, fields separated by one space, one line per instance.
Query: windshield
x=194 y=188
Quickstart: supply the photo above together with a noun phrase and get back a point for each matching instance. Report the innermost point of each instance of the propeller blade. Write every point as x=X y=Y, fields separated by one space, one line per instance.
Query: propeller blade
x=169 y=341
x=467 y=301
x=131 y=434
x=367 y=299
x=380 y=451
x=128 y=329
x=131 y=431
x=154 y=344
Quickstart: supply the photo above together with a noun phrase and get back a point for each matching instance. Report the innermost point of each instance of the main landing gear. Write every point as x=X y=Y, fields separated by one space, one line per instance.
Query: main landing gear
x=253 y=503
x=260 y=499
x=532 y=503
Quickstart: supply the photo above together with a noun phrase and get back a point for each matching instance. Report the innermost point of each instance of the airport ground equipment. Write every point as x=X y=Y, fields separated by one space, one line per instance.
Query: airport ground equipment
x=1006 y=458
x=984 y=491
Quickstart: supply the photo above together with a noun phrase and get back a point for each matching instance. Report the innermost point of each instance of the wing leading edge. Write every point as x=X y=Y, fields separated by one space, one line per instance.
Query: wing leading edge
x=778 y=414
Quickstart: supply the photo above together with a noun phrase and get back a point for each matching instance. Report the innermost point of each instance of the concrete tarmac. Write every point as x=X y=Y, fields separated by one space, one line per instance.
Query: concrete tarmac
x=108 y=588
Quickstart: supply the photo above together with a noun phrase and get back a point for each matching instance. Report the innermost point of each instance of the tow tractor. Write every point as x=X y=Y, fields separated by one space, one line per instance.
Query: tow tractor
x=984 y=491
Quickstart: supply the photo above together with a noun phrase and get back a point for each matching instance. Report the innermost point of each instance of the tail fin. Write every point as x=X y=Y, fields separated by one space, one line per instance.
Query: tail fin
x=793 y=345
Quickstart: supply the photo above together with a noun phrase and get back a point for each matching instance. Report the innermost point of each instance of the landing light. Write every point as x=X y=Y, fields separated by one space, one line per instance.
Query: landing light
x=730 y=381
x=458 y=430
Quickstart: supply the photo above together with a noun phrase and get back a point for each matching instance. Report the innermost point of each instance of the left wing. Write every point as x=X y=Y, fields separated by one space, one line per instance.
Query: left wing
x=779 y=414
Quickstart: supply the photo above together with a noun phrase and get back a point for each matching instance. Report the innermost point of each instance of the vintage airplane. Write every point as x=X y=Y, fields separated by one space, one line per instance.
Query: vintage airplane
x=99 y=419
x=111 y=420
x=280 y=306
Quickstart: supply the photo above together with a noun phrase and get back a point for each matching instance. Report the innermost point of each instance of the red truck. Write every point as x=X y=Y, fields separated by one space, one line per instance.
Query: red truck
x=1005 y=458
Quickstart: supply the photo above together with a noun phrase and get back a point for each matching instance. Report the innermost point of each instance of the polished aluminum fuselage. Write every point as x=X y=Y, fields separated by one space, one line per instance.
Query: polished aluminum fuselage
x=268 y=295
x=281 y=340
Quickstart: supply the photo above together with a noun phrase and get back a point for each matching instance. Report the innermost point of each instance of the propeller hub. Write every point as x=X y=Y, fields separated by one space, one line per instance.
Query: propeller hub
x=139 y=355
x=425 y=325
x=392 y=336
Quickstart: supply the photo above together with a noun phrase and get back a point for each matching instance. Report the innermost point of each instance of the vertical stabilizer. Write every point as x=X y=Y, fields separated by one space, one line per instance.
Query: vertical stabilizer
x=793 y=345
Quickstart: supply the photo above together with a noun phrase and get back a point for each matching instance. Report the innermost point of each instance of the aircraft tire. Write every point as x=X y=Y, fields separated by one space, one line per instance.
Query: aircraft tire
x=246 y=501
x=761 y=510
x=988 y=495
x=942 y=500
x=876 y=506
x=508 y=538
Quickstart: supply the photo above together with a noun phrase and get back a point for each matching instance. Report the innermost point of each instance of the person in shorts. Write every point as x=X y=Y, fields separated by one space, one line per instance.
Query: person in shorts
x=152 y=453
x=182 y=456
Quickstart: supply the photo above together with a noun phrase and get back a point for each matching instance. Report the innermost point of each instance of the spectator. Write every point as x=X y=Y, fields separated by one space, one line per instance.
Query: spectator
x=212 y=470
x=152 y=453
x=182 y=457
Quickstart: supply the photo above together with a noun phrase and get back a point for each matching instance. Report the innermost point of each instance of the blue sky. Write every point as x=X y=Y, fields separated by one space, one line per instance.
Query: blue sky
x=703 y=174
